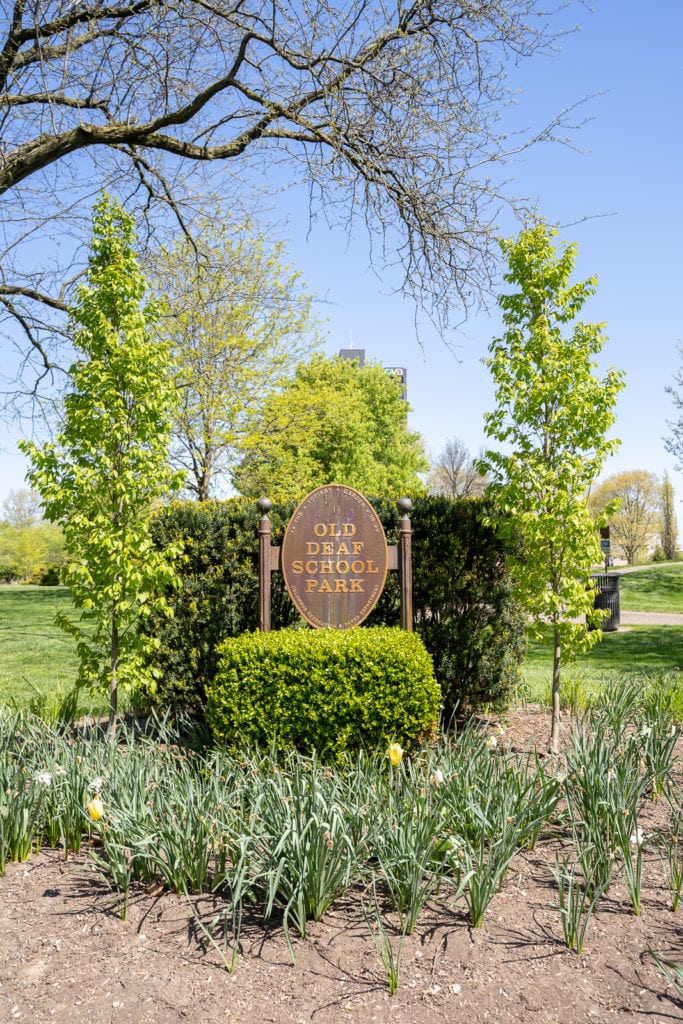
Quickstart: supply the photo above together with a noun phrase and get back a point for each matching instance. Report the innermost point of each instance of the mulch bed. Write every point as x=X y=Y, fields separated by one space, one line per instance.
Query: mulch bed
x=66 y=956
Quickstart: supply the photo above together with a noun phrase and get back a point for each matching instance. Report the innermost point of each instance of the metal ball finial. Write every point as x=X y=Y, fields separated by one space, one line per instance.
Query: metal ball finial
x=264 y=505
x=404 y=505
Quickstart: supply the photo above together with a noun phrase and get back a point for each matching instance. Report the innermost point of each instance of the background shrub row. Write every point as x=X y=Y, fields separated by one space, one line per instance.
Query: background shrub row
x=464 y=608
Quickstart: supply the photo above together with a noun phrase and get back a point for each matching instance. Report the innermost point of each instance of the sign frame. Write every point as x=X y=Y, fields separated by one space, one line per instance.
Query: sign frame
x=334 y=557
x=399 y=559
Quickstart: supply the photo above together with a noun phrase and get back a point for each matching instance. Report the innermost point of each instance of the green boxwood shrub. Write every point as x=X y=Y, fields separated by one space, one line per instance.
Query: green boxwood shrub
x=464 y=607
x=324 y=690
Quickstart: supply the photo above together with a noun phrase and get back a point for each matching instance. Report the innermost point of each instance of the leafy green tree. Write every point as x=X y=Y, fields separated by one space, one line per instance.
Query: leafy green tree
x=634 y=496
x=28 y=545
x=552 y=414
x=668 y=523
x=109 y=466
x=237 y=320
x=332 y=422
x=22 y=508
x=30 y=548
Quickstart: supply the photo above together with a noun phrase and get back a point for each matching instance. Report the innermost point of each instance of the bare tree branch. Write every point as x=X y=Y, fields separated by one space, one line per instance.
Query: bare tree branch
x=390 y=111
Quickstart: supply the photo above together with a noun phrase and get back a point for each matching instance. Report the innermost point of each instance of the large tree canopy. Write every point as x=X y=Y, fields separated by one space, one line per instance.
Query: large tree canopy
x=636 y=497
x=333 y=422
x=391 y=111
x=237 y=322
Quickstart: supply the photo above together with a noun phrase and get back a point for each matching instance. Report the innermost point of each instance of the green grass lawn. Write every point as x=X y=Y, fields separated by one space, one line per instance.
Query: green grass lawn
x=633 y=650
x=37 y=659
x=658 y=588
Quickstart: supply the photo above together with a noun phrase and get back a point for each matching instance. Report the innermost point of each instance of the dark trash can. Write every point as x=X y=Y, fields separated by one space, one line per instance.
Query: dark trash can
x=608 y=597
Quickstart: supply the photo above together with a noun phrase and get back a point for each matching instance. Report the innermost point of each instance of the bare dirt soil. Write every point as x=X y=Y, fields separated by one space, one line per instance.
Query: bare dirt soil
x=66 y=956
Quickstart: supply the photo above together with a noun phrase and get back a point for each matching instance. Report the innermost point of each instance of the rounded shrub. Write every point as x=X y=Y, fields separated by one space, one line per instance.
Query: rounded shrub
x=324 y=690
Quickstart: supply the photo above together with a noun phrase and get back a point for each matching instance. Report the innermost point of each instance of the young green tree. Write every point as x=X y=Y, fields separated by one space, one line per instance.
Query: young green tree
x=109 y=466
x=552 y=414
x=237 y=320
x=668 y=523
x=332 y=422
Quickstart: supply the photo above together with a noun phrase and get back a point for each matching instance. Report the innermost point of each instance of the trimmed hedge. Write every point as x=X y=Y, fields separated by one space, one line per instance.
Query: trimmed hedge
x=218 y=594
x=464 y=603
x=324 y=690
x=465 y=611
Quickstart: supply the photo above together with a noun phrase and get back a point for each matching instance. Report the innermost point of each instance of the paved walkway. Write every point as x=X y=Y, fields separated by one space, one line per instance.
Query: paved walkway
x=651 y=618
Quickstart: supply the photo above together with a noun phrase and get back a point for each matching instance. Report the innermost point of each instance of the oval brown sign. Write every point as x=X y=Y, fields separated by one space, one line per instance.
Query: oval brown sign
x=334 y=557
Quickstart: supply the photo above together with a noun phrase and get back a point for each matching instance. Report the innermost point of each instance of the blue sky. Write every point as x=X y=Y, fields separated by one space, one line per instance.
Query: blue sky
x=624 y=177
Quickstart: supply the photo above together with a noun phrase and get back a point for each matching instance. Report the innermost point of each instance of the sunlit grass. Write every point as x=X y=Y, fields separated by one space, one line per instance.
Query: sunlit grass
x=38 y=663
x=646 y=651
x=658 y=588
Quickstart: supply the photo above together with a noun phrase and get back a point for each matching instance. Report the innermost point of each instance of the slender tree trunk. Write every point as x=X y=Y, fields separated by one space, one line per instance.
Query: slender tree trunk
x=204 y=478
x=114 y=680
x=554 y=741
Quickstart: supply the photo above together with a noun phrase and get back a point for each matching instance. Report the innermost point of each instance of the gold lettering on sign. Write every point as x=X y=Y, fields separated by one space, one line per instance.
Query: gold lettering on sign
x=334 y=530
x=334 y=557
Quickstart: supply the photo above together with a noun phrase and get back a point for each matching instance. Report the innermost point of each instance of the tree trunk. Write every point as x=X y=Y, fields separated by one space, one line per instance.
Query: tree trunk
x=554 y=741
x=204 y=479
x=114 y=680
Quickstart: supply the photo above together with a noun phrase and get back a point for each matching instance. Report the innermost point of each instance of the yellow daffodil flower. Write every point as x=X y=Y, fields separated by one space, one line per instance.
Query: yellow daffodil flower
x=395 y=754
x=95 y=808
